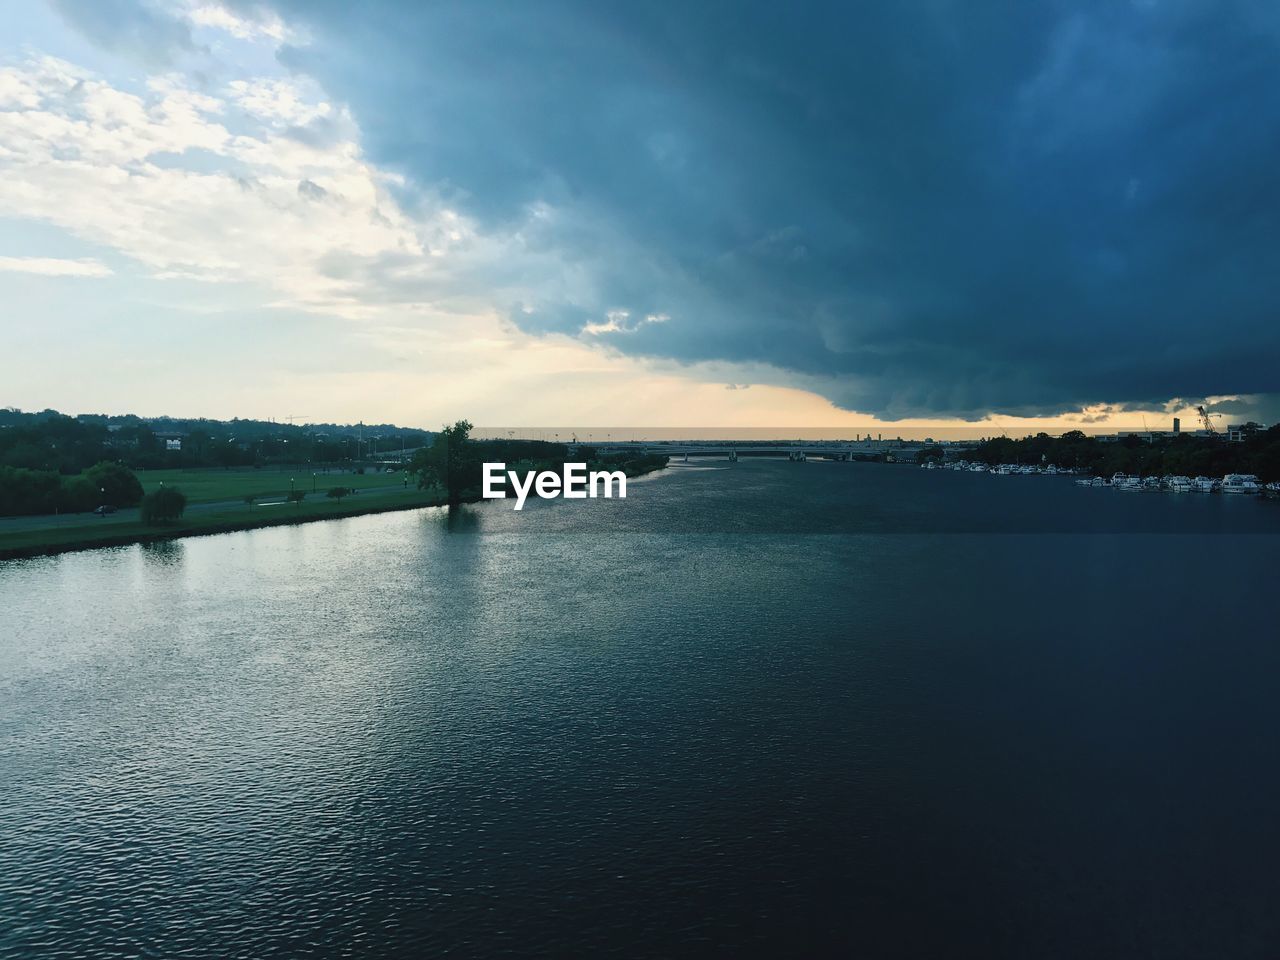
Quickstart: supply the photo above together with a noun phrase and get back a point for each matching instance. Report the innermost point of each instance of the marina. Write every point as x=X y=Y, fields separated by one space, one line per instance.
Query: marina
x=1246 y=484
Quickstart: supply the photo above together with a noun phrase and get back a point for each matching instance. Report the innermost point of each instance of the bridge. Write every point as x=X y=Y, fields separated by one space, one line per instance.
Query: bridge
x=808 y=450
x=723 y=449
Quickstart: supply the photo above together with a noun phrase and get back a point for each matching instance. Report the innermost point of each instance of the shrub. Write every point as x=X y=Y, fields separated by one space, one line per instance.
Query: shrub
x=24 y=492
x=163 y=506
x=77 y=495
x=337 y=493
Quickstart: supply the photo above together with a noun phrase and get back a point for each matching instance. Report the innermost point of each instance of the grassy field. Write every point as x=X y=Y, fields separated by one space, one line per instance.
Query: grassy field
x=213 y=484
x=215 y=505
x=95 y=533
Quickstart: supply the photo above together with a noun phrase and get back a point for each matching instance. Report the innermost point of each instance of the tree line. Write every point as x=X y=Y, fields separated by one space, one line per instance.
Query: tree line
x=1183 y=455
x=51 y=441
x=30 y=492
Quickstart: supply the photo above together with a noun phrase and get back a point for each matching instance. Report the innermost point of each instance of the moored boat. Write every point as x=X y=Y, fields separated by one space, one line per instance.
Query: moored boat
x=1240 y=483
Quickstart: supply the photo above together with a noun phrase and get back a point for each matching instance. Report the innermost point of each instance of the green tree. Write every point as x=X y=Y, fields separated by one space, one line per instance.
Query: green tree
x=116 y=484
x=450 y=461
x=163 y=505
x=297 y=496
x=25 y=492
x=337 y=493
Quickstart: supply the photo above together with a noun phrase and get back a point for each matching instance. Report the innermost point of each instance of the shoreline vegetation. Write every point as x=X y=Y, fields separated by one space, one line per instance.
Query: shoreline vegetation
x=1257 y=453
x=231 y=498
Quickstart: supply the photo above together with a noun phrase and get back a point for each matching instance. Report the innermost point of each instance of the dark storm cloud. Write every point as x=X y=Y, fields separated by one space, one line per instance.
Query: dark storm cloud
x=923 y=207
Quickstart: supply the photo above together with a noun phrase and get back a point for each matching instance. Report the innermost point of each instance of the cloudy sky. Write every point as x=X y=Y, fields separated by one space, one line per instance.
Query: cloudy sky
x=916 y=213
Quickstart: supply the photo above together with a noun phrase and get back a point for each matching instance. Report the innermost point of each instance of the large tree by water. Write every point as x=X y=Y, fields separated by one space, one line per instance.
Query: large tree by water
x=449 y=462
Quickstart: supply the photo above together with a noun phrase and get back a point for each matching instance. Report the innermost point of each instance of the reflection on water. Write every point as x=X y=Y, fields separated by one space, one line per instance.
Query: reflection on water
x=463 y=518
x=738 y=712
x=162 y=552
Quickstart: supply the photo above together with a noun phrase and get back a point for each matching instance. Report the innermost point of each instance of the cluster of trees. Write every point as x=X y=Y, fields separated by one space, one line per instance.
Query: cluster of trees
x=453 y=463
x=51 y=441
x=1163 y=456
x=28 y=492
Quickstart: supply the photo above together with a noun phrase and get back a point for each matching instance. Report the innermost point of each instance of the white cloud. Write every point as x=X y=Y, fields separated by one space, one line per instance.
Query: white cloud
x=265 y=23
x=53 y=267
x=619 y=321
x=278 y=101
x=160 y=176
x=261 y=181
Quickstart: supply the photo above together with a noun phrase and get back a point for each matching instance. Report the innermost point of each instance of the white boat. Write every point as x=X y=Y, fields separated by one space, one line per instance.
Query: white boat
x=1151 y=483
x=1204 y=485
x=1240 y=483
x=1178 y=484
x=978 y=468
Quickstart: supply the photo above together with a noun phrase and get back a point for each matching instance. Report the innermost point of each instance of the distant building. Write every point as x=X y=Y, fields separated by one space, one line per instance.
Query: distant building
x=1148 y=436
x=1240 y=432
x=1177 y=425
x=171 y=439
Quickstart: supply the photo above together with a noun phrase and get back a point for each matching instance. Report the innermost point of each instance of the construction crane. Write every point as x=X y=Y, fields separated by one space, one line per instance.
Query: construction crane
x=1206 y=419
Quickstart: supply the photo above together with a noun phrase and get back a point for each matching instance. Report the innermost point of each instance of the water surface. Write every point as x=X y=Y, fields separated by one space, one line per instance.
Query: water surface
x=761 y=708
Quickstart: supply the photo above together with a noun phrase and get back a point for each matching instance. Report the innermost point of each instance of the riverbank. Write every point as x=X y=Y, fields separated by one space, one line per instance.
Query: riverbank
x=85 y=532
x=88 y=536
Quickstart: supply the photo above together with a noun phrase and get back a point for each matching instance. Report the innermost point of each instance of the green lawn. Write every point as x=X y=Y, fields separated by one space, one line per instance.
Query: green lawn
x=210 y=484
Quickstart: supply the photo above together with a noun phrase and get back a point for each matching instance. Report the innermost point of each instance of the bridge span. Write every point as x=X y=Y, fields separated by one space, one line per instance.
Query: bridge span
x=815 y=450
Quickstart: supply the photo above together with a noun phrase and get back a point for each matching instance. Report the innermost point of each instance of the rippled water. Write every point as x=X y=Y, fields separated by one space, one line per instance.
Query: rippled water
x=779 y=709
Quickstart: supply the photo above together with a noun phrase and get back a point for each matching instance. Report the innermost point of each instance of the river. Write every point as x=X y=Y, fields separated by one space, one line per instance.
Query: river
x=754 y=709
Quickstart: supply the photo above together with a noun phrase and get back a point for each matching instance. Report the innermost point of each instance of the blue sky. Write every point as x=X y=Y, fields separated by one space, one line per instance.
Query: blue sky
x=917 y=213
